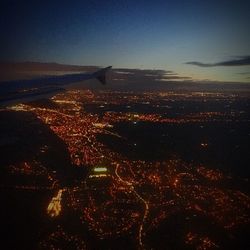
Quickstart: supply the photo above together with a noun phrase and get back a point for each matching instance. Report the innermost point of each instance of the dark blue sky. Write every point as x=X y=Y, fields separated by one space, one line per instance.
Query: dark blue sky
x=131 y=34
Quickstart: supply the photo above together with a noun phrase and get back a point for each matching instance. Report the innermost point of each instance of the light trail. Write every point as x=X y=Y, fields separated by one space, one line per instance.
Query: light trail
x=146 y=204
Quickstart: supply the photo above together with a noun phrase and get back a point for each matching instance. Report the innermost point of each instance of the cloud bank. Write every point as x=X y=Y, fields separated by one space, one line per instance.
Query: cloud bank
x=240 y=61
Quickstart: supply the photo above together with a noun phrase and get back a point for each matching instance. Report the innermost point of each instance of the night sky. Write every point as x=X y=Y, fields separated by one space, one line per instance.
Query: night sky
x=204 y=40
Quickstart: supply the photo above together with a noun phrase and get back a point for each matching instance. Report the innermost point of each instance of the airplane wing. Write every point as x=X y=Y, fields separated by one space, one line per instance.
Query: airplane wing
x=17 y=91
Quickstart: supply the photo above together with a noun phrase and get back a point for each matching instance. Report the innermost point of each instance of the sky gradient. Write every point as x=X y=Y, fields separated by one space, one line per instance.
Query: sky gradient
x=191 y=38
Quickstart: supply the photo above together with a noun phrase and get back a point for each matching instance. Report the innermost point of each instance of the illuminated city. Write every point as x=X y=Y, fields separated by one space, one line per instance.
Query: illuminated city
x=112 y=190
x=125 y=125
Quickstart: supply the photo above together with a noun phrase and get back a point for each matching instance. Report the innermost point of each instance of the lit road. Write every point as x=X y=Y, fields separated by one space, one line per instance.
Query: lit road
x=146 y=204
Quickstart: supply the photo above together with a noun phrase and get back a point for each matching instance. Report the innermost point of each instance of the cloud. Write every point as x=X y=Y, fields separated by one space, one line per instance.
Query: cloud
x=240 y=61
x=175 y=78
x=143 y=75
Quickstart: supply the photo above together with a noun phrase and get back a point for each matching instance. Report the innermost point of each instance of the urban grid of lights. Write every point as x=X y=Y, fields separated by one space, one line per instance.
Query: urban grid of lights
x=136 y=195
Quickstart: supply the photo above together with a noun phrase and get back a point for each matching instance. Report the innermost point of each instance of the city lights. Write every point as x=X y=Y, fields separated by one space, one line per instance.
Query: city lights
x=117 y=196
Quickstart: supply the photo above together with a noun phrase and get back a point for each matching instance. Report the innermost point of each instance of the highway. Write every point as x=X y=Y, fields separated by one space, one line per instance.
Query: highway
x=146 y=205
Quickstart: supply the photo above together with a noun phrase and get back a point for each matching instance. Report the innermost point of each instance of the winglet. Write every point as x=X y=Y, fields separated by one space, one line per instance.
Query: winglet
x=101 y=74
